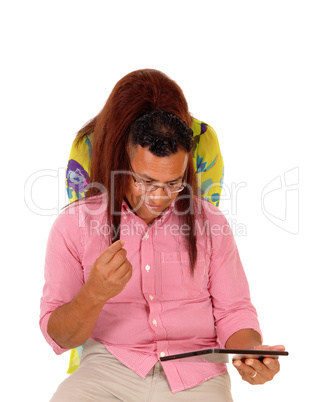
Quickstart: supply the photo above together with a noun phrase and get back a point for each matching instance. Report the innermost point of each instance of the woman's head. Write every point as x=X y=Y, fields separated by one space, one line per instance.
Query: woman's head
x=143 y=91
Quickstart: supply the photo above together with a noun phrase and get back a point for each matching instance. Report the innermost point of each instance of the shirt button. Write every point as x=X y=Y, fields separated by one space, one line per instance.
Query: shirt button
x=147 y=267
x=155 y=323
x=151 y=297
x=162 y=354
x=124 y=217
x=146 y=236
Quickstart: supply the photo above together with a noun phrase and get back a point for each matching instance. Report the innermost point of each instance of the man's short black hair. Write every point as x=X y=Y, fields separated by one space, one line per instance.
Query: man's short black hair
x=162 y=132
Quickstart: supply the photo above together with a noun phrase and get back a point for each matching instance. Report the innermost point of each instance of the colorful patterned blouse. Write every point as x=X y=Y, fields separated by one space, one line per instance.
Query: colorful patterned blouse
x=208 y=164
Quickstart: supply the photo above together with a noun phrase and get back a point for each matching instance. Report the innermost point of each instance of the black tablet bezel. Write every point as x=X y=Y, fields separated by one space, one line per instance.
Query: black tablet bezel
x=237 y=354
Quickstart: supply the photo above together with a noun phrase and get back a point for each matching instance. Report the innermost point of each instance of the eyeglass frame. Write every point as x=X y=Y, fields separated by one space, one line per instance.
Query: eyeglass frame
x=153 y=186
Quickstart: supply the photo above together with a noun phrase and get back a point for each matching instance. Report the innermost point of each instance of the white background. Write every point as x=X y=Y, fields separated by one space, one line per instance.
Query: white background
x=252 y=70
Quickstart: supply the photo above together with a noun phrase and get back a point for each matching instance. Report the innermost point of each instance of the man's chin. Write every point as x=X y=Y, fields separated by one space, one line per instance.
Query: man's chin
x=155 y=207
x=149 y=214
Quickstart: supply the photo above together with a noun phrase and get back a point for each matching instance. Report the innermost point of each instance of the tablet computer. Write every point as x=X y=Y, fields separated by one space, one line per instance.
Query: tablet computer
x=223 y=355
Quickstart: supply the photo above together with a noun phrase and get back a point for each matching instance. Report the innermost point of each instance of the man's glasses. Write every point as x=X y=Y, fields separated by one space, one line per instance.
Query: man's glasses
x=149 y=187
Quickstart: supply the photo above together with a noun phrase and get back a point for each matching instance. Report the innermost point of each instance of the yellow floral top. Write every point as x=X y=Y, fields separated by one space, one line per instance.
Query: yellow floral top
x=208 y=164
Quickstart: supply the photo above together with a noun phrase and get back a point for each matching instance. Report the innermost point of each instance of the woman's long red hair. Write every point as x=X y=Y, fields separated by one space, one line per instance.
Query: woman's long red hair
x=135 y=94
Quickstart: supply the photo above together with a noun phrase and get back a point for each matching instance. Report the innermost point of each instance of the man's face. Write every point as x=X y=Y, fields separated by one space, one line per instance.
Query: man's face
x=150 y=169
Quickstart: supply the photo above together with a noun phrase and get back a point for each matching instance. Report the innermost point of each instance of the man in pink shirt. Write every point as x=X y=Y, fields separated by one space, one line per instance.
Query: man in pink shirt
x=147 y=269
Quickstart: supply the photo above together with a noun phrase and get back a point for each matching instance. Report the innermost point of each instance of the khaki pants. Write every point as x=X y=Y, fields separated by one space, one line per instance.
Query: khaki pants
x=101 y=377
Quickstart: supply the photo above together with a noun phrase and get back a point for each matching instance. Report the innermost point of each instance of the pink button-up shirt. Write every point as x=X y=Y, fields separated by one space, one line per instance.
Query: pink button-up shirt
x=163 y=309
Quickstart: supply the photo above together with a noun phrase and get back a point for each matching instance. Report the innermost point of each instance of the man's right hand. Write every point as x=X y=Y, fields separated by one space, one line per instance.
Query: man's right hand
x=109 y=274
x=71 y=324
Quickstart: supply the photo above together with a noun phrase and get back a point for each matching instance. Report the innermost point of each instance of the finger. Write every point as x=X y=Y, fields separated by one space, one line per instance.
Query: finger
x=118 y=259
x=261 y=369
x=272 y=364
x=249 y=375
x=111 y=251
x=244 y=370
x=123 y=275
x=125 y=270
x=278 y=348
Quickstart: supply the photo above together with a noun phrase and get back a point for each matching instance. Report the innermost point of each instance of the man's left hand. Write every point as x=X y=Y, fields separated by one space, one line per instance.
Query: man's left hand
x=256 y=372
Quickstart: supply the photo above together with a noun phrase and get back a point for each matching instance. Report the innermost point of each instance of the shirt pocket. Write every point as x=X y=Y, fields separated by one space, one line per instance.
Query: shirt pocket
x=177 y=282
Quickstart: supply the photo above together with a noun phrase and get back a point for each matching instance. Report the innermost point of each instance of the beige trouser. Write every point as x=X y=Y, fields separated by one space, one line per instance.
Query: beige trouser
x=101 y=377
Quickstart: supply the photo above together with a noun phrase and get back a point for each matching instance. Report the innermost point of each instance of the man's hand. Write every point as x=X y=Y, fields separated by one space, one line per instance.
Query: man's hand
x=257 y=372
x=71 y=324
x=109 y=274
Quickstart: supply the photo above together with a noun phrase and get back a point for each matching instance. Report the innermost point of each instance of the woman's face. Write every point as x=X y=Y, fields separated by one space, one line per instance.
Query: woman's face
x=150 y=169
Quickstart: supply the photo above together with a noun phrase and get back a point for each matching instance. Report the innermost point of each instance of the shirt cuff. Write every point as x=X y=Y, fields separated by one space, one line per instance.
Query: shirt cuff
x=43 y=326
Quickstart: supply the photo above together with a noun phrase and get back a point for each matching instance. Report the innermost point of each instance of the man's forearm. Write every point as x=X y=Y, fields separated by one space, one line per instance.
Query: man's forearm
x=72 y=324
x=243 y=339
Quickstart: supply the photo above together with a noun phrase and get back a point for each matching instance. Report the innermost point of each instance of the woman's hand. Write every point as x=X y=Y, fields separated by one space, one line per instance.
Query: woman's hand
x=256 y=372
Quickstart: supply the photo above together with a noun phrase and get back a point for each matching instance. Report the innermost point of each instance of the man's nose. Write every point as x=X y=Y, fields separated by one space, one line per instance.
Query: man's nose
x=160 y=192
